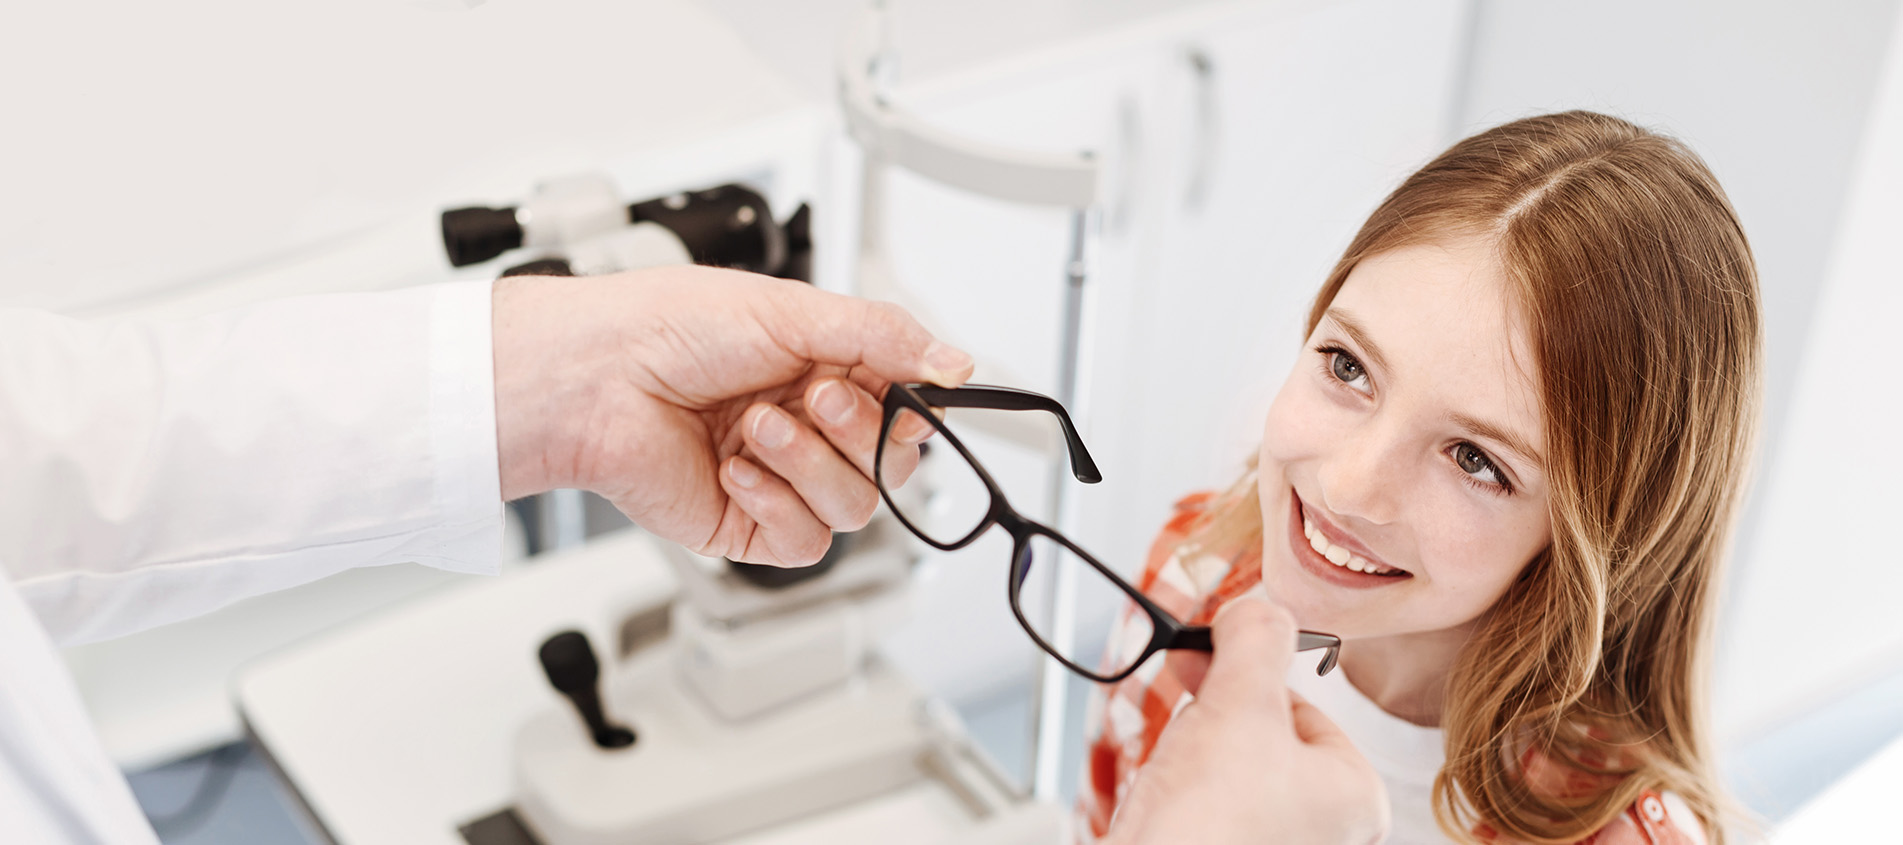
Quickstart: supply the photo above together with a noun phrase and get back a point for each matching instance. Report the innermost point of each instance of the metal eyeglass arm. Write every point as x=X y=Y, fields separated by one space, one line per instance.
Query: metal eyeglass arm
x=1197 y=638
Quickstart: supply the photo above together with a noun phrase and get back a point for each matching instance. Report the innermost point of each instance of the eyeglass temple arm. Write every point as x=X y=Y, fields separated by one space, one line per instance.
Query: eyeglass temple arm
x=1197 y=638
x=996 y=398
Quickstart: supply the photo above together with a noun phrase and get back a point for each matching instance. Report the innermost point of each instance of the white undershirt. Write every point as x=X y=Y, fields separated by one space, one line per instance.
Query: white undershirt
x=1406 y=755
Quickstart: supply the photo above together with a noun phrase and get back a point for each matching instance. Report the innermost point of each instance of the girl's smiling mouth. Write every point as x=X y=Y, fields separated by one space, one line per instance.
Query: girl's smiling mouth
x=1330 y=554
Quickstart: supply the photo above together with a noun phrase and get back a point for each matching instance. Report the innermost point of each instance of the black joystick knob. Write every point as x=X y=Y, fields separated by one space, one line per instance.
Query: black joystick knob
x=572 y=670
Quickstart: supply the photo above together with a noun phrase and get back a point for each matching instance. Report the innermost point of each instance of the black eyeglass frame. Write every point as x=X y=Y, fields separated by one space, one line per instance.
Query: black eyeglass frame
x=1166 y=631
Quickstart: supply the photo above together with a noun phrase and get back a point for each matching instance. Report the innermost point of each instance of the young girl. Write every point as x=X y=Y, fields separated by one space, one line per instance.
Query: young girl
x=1504 y=470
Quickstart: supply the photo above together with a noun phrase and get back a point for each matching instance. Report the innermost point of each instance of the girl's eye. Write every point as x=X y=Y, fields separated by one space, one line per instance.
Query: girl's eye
x=1347 y=370
x=1475 y=463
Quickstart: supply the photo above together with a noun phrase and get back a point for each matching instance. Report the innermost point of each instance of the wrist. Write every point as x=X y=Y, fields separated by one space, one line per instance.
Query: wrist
x=541 y=392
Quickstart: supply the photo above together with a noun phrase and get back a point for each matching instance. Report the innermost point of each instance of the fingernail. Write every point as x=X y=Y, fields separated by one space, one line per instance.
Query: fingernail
x=832 y=402
x=771 y=428
x=743 y=472
x=948 y=364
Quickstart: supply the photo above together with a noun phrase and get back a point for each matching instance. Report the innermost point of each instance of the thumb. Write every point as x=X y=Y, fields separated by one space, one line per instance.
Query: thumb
x=1254 y=644
x=1189 y=667
x=847 y=331
x=1312 y=726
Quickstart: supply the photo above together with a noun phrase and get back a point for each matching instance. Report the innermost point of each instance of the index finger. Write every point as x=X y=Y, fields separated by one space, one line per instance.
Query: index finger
x=1254 y=644
x=832 y=328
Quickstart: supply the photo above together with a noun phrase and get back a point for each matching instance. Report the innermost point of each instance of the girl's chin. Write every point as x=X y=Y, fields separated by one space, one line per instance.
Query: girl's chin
x=1313 y=609
x=1310 y=611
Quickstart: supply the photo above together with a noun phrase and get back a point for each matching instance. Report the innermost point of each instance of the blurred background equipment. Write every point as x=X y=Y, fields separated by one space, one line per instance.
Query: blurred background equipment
x=580 y=224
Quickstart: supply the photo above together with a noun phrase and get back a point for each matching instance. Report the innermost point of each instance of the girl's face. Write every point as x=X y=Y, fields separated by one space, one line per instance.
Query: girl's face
x=1400 y=474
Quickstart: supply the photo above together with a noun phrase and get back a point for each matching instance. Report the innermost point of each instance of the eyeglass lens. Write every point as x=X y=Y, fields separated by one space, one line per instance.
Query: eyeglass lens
x=943 y=499
x=1101 y=605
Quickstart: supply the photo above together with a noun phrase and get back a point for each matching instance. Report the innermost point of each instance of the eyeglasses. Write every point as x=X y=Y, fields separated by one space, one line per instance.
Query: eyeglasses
x=966 y=501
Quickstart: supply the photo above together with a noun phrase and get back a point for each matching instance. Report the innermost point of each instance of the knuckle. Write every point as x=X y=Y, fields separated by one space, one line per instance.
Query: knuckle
x=889 y=314
x=893 y=321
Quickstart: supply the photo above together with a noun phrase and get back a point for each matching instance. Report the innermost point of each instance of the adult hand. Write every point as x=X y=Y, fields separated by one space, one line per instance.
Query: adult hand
x=1247 y=761
x=732 y=413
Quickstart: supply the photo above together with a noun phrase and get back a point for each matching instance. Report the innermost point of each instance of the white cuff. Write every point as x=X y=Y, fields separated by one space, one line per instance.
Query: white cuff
x=462 y=413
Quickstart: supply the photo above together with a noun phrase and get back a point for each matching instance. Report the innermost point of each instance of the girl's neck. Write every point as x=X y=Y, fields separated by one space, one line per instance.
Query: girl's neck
x=1405 y=675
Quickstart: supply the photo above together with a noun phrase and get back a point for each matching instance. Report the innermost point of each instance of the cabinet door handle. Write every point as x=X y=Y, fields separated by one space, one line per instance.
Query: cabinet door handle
x=1203 y=144
x=1125 y=171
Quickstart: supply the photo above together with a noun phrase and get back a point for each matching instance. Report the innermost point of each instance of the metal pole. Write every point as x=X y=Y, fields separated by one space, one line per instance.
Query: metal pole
x=1050 y=696
x=564 y=520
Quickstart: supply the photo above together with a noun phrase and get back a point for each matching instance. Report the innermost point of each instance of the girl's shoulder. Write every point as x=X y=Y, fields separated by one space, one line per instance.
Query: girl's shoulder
x=1162 y=563
x=1184 y=516
x=1192 y=583
x=1656 y=818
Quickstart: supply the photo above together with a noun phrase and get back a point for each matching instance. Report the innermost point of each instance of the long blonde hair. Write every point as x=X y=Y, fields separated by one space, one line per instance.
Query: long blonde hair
x=1640 y=295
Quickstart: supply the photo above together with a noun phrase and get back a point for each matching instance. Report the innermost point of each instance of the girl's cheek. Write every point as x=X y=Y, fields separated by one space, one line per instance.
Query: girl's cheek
x=1297 y=426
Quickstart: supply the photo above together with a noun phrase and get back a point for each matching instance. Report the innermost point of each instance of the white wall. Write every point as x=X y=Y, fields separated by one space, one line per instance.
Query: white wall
x=1780 y=99
x=152 y=148
x=1773 y=95
x=1817 y=616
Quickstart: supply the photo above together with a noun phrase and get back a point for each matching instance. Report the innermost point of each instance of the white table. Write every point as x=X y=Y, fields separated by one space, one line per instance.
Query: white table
x=397 y=729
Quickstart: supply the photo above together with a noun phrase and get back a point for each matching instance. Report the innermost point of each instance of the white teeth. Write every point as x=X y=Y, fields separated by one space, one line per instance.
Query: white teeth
x=1335 y=554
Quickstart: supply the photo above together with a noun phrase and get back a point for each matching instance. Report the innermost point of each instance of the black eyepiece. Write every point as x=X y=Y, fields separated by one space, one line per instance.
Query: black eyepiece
x=475 y=235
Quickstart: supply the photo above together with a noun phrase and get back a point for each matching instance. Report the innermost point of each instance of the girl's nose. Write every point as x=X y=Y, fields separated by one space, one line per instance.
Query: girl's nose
x=1363 y=474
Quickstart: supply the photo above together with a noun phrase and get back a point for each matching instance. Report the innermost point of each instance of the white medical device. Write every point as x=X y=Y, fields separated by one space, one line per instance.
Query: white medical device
x=753 y=707
x=892 y=137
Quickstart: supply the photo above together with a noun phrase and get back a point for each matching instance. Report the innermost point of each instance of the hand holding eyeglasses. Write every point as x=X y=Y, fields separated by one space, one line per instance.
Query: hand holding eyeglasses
x=1248 y=761
x=970 y=502
x=728 y=412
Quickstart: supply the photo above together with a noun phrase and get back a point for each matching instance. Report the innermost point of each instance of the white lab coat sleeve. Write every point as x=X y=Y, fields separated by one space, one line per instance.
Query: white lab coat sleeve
x=153 y=472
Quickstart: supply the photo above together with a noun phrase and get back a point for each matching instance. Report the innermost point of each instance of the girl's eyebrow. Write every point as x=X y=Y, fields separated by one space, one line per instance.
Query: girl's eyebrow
x=1358 y=336
x=1480 y=428
x=1513 y=442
